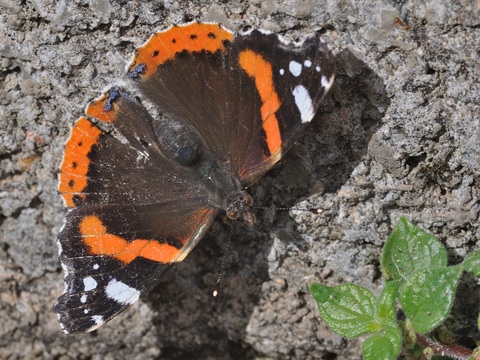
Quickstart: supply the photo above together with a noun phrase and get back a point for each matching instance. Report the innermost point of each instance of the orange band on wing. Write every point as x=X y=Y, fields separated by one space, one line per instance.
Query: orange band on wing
x=99 y=242
x=96 y=109
x=164 y=45
x=74 y=168
x=261 y=71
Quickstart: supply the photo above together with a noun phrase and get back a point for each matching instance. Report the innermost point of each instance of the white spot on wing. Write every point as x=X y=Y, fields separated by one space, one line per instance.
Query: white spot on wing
x=327 y=83
x=282 y=71
x=97 y=319
x=66 y=271
x=96 y=267
x=89 y=283
x=61 y=325
x=86 y=311
x=59 y=245
x=142 y=155
x=120 y=138
x=83 y=299
x=304 y=103
x=318 y=68
x=295 y=68
x=307 y=63
x=121 y=292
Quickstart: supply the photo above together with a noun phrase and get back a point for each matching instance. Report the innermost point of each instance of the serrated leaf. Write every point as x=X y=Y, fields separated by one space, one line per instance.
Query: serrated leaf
x=385 y=344
x=472 y=263
x=386 y=301
x=348 y=309
x=409 y=249
x=427 y=297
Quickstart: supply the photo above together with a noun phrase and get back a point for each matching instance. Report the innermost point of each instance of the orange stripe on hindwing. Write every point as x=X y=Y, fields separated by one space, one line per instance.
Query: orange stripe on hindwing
x=100 y=242
x=74 y=168
x=261 y=71
x=164 y=45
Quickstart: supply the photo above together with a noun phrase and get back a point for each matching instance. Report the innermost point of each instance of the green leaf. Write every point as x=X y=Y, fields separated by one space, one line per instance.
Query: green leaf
x=472 y=263
x=385 y=344
x=476 y=354
x=386 y=301
x=427 y=297
x=348 y=309
x=409 y=249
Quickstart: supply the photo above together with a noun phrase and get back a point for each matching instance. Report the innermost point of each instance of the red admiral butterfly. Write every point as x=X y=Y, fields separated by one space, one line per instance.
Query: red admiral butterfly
x=141 y=191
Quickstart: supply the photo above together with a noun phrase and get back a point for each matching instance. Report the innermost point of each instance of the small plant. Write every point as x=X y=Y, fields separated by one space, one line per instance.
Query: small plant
x=414 y=265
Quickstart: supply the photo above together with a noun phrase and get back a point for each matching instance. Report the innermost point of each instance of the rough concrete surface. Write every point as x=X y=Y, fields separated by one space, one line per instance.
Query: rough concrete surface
x=399 y=134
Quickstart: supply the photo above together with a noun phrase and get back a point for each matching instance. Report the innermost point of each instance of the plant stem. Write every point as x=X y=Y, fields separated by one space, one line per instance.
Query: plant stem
x=451 y=350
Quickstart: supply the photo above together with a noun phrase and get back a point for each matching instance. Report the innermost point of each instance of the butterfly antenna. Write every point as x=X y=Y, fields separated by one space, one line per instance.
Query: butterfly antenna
x=312 y=210
x=216 y=289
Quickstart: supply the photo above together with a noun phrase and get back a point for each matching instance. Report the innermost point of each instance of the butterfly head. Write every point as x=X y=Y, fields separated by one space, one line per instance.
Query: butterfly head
x=239 y=208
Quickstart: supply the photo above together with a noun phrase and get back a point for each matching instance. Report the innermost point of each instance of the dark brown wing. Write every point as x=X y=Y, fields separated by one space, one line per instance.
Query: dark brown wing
x=134 y=212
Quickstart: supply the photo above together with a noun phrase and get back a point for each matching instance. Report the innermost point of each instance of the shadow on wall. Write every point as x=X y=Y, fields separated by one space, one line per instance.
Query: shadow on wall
x=190 y=321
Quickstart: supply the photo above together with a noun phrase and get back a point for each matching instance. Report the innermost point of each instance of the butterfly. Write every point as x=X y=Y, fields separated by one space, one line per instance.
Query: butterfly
x=141 y=190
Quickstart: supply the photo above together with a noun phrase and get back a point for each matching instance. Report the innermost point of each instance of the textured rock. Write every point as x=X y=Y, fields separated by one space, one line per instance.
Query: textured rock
x=399 y=134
